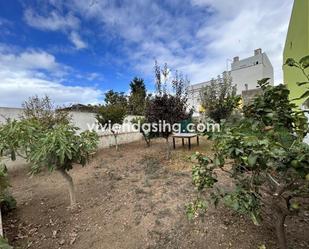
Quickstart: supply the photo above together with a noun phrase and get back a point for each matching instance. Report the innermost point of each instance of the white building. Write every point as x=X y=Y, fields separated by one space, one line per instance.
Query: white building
x=245 y=74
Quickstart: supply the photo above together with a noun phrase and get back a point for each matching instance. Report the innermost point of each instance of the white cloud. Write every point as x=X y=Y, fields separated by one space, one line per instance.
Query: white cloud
x=32 y=59
x=22 y=76
x=195 y=36
x=54 y=21
x=77 y=41
x=200 y=42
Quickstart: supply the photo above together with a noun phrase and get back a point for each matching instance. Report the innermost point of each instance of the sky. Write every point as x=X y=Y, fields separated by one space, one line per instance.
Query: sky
x=76 y=50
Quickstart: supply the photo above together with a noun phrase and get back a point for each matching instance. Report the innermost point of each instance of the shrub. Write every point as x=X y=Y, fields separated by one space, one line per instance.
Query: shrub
x=269 y=162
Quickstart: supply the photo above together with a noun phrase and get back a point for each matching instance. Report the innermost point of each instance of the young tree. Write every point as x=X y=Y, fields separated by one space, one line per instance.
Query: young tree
x=111 y=114
x=45 y=138
x=270 y=162
x=59 y=149
x=137 y=97
x=219 y=99
x=166 y=107
x=43 y=111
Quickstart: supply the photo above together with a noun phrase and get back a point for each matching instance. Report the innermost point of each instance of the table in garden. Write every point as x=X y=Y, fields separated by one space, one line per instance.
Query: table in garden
x=184 y=136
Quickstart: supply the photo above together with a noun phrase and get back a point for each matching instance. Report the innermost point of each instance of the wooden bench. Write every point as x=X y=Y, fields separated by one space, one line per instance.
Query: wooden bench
x=184 y=136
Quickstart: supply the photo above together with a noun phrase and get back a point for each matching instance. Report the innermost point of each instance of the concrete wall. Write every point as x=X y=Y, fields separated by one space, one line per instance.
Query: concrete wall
x=84 y=121
x=12 y=113
x=108 y=140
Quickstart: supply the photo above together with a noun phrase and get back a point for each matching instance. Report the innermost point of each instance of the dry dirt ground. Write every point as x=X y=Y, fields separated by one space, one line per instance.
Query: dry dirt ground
x=129 y=199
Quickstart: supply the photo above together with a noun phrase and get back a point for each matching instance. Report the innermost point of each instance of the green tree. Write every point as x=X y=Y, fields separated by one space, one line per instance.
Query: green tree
x=219 y=98
x=137 y=97
x=112 y=114
x=269 y=162
x=116 y=98
x=57 y=148
x=45 y=138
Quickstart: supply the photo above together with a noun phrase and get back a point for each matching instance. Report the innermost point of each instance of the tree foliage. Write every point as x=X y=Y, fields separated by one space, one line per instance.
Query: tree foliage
x=137 y=98
x=219 y=98
x=266 y=159
x=165 y=106
x=116 y=98
x=42 y=110
x=47 y=142
x=113 y=112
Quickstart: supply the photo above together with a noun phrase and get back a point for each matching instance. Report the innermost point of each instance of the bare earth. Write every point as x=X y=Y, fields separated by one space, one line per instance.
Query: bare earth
x=129 y=199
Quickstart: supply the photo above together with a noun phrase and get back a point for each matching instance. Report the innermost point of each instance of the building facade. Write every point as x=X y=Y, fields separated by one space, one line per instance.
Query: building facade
x=296 y=47
x=245 y=73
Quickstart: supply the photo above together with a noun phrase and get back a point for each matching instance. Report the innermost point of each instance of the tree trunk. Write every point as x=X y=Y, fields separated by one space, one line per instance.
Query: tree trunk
x=116 y=142
x=147 y=140
x=1 y=227
x=280 y=230
x=168 y=149
x=69 y=180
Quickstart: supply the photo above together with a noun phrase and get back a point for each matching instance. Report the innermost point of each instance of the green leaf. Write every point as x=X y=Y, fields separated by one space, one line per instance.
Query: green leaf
x=302 y=83
x=255 y=219
x=290 y=62
x=252 y=159
x=305 y=95
x=304 y=61
x=4 y=244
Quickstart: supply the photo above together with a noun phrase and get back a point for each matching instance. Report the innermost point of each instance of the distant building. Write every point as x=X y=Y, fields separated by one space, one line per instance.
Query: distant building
x=245 y=73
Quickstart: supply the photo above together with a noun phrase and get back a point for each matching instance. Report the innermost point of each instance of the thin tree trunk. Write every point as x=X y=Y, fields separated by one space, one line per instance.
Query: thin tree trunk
x=69 y=180
x=1 y=227
x=116 y=142
x=280 y=231
x=147 y=140
x=168 y=149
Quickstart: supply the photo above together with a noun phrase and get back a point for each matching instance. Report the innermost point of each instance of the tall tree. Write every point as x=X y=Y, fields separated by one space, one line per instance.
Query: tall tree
x=167 y=107
x=115 y=98
x=137 y=97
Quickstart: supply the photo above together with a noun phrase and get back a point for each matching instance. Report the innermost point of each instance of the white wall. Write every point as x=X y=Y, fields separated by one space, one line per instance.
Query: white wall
x=12 y=113
x=250 y=70
x=84 y=120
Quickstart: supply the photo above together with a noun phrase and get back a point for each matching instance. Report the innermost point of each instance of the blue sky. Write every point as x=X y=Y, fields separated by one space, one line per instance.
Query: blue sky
x=76 y=50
